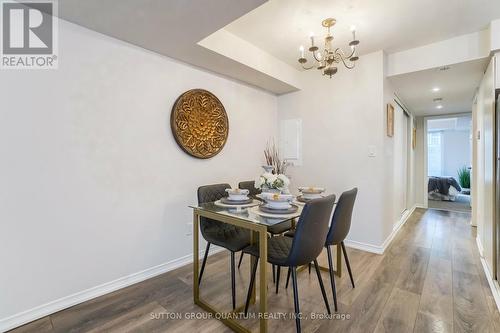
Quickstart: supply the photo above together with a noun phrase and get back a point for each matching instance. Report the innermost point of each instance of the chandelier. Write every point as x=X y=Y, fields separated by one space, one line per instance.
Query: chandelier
x=327 y=58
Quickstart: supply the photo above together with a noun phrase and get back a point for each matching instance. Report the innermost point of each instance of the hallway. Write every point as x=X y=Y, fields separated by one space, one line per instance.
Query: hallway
x=429 y=280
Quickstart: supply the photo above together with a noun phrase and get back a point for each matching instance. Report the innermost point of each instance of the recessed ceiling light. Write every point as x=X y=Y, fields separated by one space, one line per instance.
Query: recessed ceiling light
x=436 y=89
x=444 y=68
x=439 y=106
x=439 y=99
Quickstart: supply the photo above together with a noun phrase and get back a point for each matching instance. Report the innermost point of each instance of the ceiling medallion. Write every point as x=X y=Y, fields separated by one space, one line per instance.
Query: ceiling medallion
x=199 y=123
x=328 y=57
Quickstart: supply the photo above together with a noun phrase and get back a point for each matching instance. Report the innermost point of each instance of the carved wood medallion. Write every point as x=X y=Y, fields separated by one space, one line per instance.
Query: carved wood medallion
x=199 y=123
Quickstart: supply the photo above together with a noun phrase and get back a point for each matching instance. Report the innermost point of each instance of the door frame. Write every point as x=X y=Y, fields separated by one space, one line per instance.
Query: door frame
x=410 y=165
x=424 y=195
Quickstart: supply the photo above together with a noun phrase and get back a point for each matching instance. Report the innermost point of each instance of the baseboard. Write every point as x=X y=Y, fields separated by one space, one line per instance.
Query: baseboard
x=495 y=288
x=364 y=246
x=103 y=289
x=479 y=246
x=380 y=249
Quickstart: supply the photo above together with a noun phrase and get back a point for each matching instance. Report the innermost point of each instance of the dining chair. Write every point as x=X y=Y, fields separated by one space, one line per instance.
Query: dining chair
x=339 y=228
x=305 y=247
x=250 y=186
x=221 y=234
x=277 y=229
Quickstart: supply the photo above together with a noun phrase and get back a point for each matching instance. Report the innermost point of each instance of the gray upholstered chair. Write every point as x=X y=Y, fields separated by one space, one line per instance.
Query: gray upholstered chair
x=339 y=228
x=250 y=186
x=277 y=229
x=305 y=247
x=221 y=234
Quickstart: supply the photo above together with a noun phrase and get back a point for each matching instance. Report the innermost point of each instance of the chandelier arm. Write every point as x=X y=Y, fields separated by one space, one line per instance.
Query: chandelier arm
x=314 y=56
x=345 y=64
x=307 y=68
x=341 y=52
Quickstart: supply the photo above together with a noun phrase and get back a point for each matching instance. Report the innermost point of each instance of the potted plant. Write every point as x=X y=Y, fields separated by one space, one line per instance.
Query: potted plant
x=464 y=179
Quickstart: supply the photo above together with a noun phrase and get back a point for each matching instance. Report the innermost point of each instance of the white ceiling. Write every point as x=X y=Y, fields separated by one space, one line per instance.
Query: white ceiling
x=457 y=87
x=172 y=28
x=281 y=26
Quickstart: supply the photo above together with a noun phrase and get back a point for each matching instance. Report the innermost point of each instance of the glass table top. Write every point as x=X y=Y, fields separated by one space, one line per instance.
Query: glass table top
x=250 y=214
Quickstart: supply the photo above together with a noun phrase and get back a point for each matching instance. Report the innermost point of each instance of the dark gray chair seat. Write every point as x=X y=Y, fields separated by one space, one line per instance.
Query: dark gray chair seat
x=278 y=249
x=280 y=228
x=230 y=237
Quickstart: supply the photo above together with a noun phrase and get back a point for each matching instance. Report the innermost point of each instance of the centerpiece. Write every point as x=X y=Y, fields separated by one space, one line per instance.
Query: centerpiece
x=273 y=180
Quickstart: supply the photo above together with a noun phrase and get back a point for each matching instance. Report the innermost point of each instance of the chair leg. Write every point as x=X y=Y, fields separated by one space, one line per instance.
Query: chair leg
x=288 y=277
x=250 y=287
x=320 y=280
x=309 y=268
x=278 y=278
x=332 y=277
x=347 y=263
x=233 y=281
x=203 y=263
x=241 y=258
x=296 y=298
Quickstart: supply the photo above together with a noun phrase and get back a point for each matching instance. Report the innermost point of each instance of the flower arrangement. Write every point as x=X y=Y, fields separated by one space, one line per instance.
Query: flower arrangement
x=272 y=155
x=274 y=182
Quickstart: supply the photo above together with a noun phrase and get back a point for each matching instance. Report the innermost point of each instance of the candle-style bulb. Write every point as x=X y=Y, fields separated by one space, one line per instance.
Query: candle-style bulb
x=301 y=48
x=353 y=28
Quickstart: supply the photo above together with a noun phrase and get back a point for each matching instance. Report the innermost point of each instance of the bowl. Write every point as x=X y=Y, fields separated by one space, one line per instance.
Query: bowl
x=311 y=192
x=236 y=194
x=276 y=200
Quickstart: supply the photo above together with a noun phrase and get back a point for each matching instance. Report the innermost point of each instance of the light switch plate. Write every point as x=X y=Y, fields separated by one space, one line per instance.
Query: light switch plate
x=372 y=151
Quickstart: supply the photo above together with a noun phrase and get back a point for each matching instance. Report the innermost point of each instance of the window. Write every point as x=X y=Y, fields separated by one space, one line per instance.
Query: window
x=434 y=154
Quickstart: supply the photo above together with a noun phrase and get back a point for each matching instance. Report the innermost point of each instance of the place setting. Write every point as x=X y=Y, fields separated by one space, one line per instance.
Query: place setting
x=237 y=200
x=308 y=193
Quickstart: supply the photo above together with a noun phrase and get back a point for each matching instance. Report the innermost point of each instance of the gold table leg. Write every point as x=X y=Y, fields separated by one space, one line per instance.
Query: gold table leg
x=196 y=255
x=263 y=280
x=256 y=231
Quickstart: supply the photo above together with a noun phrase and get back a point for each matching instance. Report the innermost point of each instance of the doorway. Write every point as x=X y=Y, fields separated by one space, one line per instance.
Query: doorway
x=449 y=162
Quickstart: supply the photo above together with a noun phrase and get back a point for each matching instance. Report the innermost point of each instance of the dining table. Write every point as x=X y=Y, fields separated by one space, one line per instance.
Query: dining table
x=257 y=222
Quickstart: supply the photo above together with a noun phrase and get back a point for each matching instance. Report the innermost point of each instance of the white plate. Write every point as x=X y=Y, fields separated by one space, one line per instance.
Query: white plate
x=310 y=196
x=278 y=204
x=275 y=197
x=237 y=197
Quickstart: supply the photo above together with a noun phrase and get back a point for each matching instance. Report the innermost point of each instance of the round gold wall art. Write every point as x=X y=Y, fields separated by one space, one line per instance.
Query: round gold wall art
x=199 y=123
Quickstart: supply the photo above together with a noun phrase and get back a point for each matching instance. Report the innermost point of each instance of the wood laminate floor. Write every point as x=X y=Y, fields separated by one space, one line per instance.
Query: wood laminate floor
x=429 y=280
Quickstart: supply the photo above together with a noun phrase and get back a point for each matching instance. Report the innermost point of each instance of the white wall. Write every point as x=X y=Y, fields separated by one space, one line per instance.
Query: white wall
x=397 y=195
x=420 y=164
x=483 y=166
x=455 y=50
x=94 y=187
x=343 y=118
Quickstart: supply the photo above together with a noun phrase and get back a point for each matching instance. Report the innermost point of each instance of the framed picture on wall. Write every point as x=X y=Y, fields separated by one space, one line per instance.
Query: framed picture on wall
x=390 y=120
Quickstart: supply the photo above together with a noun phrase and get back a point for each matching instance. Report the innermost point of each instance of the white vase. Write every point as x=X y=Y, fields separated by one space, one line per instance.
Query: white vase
x=268 y=168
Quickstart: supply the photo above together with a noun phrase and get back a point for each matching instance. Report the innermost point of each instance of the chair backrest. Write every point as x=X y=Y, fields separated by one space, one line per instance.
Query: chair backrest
x=311 y=231
x=250 y=186
x=341 y=220
x=210 y=193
